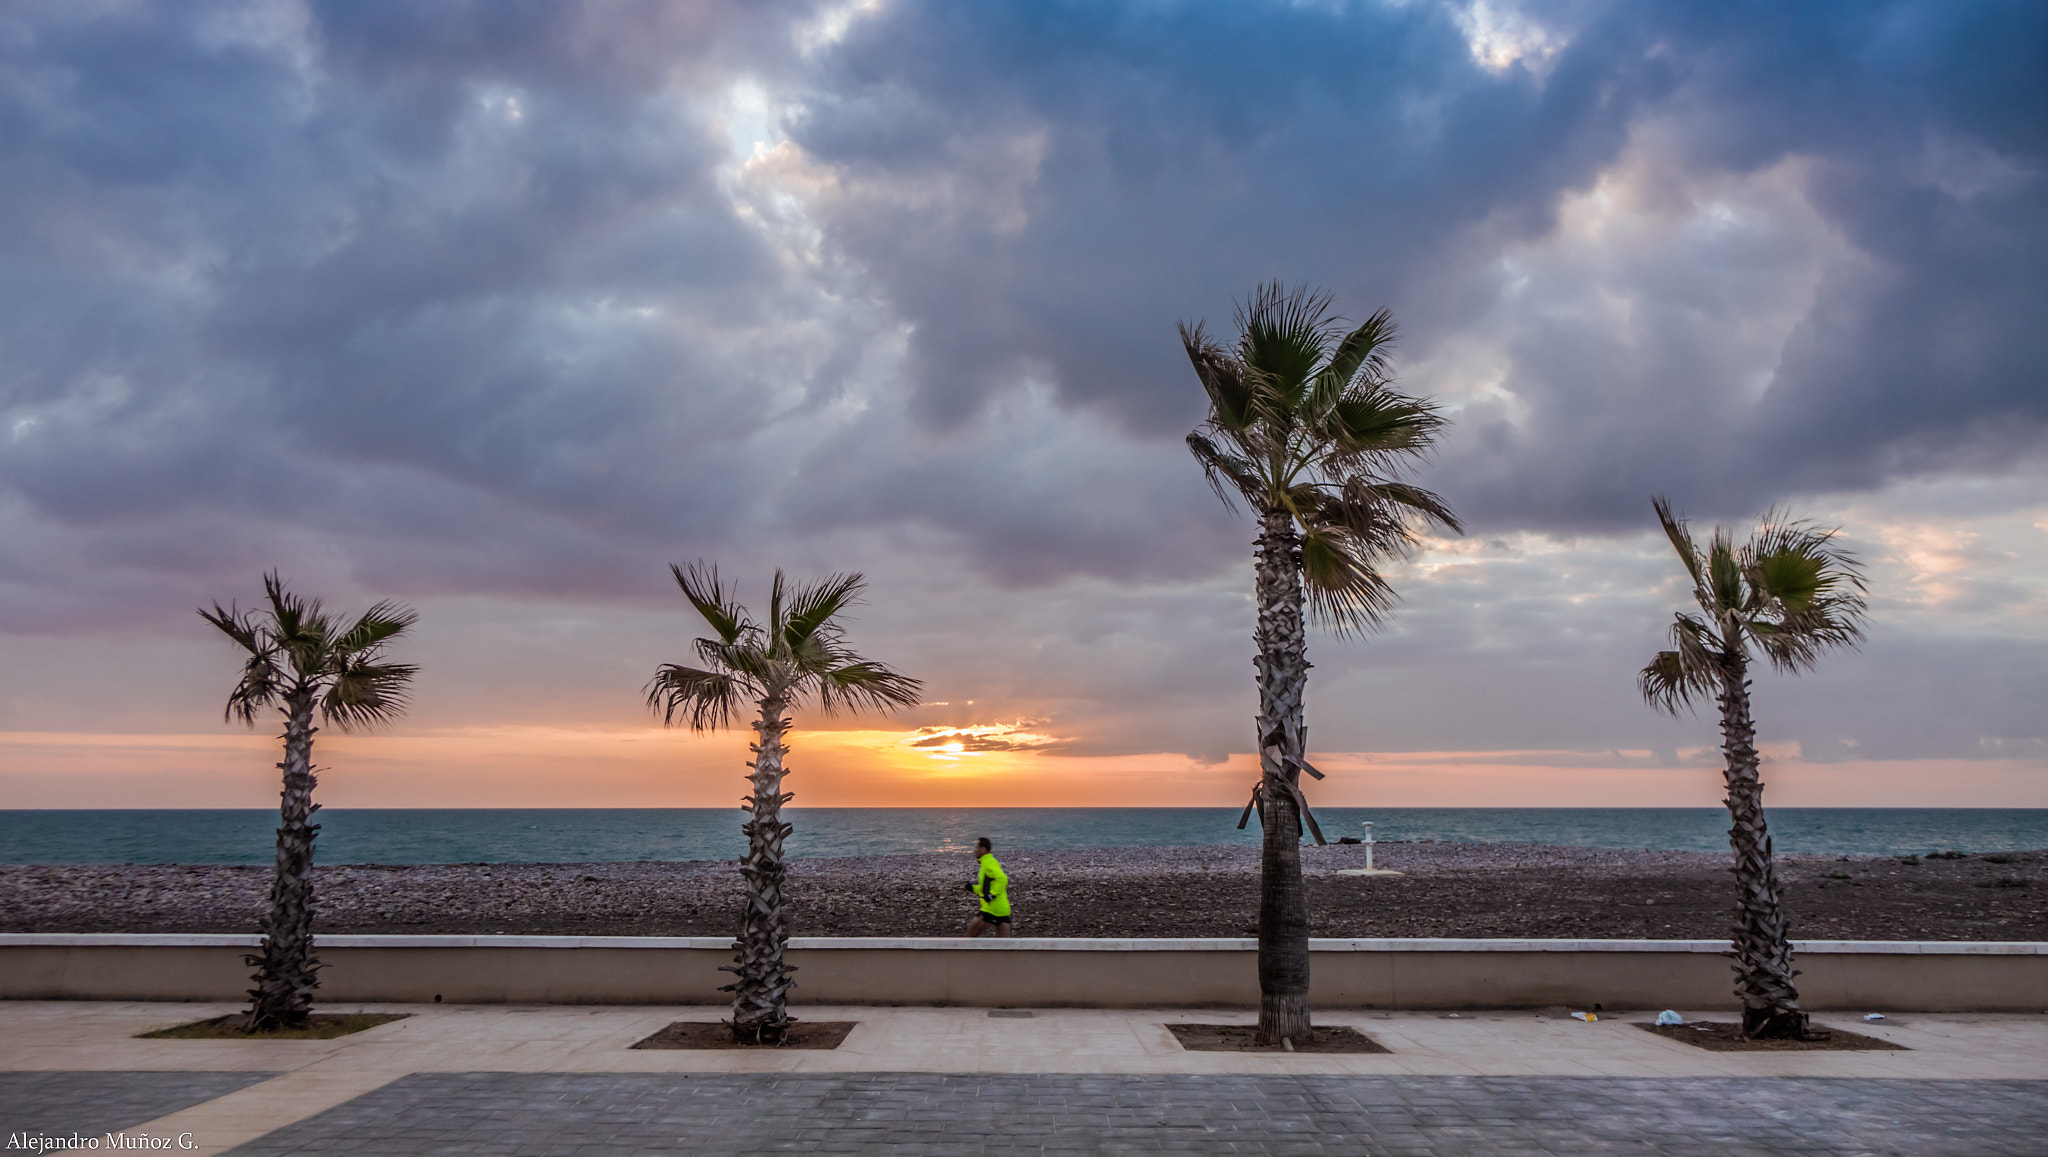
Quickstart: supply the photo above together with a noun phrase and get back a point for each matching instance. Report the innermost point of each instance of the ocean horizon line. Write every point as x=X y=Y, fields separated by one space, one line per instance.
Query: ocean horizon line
x=571 y=835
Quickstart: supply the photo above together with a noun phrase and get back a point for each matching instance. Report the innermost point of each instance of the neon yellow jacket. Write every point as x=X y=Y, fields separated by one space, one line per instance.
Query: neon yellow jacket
x=992 y=884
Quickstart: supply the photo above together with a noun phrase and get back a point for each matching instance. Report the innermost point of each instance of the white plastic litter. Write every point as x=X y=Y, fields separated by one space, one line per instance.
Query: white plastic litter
x=1669 y=1017
x=1588 y=1017
x=1873 y=1016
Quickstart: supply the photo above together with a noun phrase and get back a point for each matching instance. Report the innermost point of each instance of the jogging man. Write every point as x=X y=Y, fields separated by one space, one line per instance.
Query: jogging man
x=992 y=887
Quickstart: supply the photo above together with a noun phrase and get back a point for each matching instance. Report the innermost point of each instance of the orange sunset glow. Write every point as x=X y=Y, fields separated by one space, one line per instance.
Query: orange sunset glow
x=649 y=767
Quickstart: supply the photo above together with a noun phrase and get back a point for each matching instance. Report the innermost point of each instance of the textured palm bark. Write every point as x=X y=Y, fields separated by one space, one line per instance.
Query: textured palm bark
x=1282 y=665
x=760 y=1003
x=1762 y=944
x=286 y=970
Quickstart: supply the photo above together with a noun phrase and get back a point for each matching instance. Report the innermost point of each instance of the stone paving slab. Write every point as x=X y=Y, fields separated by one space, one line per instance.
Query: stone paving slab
x=908 y=1114
x=58 y=1104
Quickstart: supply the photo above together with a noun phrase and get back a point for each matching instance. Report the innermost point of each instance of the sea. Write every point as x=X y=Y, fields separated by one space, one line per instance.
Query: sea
x=579 y=835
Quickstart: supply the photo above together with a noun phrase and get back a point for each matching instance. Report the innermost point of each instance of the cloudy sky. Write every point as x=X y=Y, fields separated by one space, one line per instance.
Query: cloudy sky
x=499 y=308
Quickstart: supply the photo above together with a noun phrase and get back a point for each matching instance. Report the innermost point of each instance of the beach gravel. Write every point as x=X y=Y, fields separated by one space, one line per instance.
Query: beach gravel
x=1451 y=889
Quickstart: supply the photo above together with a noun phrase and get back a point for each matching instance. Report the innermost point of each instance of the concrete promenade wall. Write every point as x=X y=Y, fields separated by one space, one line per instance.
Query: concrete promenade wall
x=1691 y=974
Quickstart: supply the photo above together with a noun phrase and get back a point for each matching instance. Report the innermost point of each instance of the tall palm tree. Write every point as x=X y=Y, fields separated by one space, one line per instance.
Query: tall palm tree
x=1305 y=427
x=798 y=654
x=301 y=659
x=1794 y=595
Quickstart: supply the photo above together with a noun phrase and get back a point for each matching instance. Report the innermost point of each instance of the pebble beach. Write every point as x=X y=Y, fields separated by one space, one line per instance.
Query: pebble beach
x=1449 y=889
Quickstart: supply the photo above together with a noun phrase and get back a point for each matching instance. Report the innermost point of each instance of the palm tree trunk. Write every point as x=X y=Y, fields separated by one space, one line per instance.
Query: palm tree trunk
x=285 y=971
x=1763 y=949
x=1282 y=665
x=760 y=1003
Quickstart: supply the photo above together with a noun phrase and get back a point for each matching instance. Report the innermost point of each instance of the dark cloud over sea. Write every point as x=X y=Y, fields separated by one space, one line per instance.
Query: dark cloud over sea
x=519 y=302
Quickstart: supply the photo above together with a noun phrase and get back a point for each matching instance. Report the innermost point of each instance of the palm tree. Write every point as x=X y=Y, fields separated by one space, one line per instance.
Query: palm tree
x=1794 y=594
x=1305 y=428
x=299 y=659
x=800 y=653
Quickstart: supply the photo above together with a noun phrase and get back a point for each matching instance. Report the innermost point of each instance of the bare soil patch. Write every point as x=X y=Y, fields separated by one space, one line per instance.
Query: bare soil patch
x=319 y=1026
x=1237 y=1038
x=1715 y=1036
x=712 y=1034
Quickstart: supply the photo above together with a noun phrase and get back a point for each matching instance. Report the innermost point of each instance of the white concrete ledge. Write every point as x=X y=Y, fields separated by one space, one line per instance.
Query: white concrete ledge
x=1932 y=976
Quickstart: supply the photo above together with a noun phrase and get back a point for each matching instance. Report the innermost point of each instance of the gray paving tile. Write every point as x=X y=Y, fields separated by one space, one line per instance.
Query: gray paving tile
x=57 y=1104
x=940 y=1115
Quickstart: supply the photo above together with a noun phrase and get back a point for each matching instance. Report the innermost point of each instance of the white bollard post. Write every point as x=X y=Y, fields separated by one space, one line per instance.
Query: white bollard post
x=1369 y=870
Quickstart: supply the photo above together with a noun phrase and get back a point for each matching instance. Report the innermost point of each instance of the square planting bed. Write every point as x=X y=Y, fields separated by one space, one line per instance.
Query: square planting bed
x=1237 y=1038
x=319 y=1026
x=1727 y=1038
x=713 y=1034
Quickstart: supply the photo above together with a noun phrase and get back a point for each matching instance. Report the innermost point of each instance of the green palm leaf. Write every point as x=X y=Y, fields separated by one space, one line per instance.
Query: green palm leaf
x=1284 y=339
x=378 y=625
x=813 y=607
x=365 y=694
x=1302 y=421
x=796 y=656
x=1788 y=589
x=706 y=700
x=700 y=585
x=1362 y=351
x=1342 y=587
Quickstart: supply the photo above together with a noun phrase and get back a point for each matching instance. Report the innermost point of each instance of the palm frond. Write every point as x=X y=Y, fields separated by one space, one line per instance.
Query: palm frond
x=814 y=606
x=864 y=685
x=1428 y=504
x=1374 y=430
x=1313 y=431
x=238 y=625
x=1284 y=336
x=377 y=626
x=1790 y=577
x=1724 y=575
x=708 y=700
x=260 y=684
x=1344 y=591
x=1795 y=642
x=700 y=584
x=1219 y=466
x=1795 y=561
x=776 y=623
x=1686 y=675
x=747 y=660
x=1223 y=378
x=1361 y=357
x=1788 y=589
x=1681 y=539
x=364 y=694
x=298 y=625
x=1384 y=513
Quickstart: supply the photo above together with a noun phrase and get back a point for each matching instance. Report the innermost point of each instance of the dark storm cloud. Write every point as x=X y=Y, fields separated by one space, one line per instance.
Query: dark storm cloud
x=1044 y=188
x=427 y=270
x=421 y=277
x=1054 y=184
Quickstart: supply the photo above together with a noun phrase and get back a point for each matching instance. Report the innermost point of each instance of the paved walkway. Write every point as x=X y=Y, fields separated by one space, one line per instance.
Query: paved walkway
x=534 y=1114
x=561 y=1080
